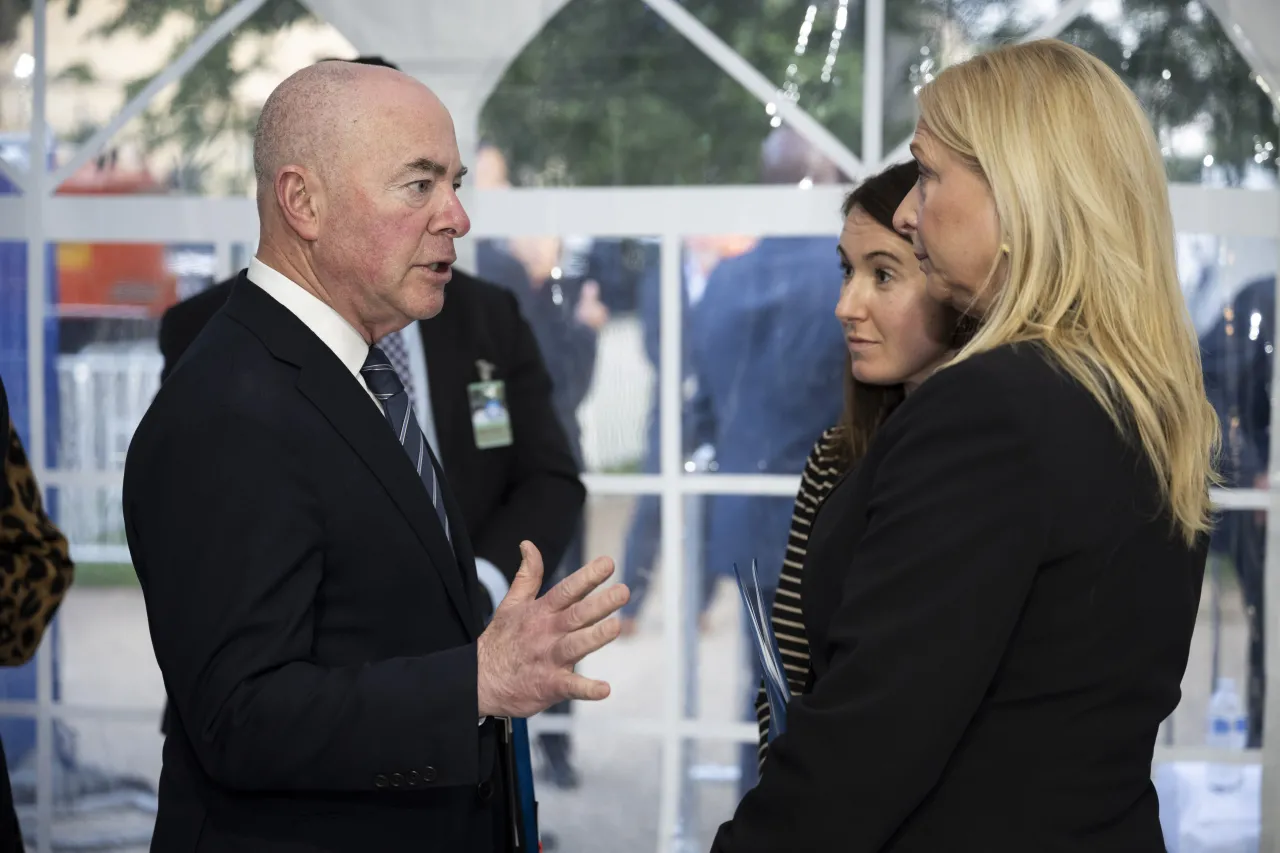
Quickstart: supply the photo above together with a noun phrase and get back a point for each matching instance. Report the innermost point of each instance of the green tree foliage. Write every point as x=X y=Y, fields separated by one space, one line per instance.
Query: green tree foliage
x=1185 y=70
x=201 y=108
x=609 y=94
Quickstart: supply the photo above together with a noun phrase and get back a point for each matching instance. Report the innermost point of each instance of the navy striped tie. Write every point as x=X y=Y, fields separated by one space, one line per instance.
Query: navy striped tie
x=386 y=386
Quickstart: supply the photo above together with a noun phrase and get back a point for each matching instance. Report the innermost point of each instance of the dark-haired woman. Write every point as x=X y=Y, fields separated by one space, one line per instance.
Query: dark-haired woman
x=896 y=336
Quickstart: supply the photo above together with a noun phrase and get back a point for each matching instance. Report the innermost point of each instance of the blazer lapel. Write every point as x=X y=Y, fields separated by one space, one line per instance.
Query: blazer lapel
x=329 y=385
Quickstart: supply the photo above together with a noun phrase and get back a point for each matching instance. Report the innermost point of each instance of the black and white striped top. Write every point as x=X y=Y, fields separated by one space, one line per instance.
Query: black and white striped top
x=822 y=471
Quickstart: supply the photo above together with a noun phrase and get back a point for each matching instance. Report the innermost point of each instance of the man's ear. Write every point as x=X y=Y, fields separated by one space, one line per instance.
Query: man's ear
x=297 y=193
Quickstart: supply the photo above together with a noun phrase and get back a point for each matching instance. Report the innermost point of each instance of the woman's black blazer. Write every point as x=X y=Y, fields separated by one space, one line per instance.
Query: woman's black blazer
x=999 y=612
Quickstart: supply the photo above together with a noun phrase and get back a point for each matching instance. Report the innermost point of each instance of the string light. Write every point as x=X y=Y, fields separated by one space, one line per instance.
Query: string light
x=837 y=33
x=1262 y=150
x=802 y=40
x=790 y=88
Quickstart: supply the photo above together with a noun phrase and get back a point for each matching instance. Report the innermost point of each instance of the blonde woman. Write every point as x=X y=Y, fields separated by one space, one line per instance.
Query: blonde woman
x=1000 y=601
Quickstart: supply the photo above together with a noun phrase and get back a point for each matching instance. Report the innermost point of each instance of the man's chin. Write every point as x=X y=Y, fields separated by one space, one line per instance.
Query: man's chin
x=428 y=304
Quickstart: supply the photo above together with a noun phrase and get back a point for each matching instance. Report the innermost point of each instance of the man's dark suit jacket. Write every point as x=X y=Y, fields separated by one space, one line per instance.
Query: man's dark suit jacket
x=999 y=614
x=315 y=629
x=529 y=490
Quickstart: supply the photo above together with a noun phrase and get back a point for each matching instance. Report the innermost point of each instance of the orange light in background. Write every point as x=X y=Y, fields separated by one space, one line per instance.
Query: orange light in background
x=113 y=279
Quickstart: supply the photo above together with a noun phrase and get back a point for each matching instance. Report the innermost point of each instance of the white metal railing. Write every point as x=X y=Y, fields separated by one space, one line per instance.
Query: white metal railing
x=104 y=391
x=102 y=396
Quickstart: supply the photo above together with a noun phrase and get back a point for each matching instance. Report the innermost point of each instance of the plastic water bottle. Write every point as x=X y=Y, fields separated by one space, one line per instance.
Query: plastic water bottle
x=1228 y=729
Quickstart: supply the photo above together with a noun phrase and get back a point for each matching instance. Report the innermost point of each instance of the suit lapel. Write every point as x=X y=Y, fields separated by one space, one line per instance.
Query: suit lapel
x=330 y=387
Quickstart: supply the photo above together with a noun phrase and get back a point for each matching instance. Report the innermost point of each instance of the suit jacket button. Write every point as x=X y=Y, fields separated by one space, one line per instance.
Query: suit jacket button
x=415 y=778
x=429 y=774
x=380 y=781
x=396 y=780
x=485 y=791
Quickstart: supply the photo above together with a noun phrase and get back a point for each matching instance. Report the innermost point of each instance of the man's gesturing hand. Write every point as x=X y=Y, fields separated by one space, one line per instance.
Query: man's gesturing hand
x=526 y=655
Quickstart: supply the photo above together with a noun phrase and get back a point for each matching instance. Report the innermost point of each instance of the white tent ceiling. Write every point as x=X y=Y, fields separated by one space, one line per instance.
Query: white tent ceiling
x=460 y=49
x=1254 y=27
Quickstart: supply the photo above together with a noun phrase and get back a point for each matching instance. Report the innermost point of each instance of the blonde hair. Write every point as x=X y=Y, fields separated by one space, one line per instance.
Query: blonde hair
x=1088 y=244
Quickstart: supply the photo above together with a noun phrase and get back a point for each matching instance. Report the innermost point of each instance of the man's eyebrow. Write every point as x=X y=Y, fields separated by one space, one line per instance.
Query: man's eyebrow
x=431 y=167
x=423 y=164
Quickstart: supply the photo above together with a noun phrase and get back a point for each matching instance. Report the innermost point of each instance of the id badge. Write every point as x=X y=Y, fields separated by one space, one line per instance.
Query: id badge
x=489 y=416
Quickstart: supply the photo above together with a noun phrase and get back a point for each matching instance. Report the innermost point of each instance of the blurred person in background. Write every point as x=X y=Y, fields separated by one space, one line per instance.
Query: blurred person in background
x=897 y=336
x=564 y=310
x=36 y=567
x=1237 y=353
x=1000 y=600
x=768 y=363
x=640 y=553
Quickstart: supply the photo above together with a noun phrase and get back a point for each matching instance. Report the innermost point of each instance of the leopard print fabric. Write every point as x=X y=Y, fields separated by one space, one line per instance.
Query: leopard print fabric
x=35 y=562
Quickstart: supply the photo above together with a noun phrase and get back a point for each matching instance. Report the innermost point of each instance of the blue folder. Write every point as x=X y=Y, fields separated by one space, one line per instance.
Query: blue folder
x=776 y=689
x=527 y=819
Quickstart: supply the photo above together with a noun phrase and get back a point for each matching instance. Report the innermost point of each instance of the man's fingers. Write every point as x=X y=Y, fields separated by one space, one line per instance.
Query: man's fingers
x=580 y=584
x=586 y=689
x=528 y=579
x=593 y=608
x=579 y=644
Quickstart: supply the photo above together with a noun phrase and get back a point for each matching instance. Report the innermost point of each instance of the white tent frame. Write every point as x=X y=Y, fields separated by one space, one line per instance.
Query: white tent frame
x=669 y=214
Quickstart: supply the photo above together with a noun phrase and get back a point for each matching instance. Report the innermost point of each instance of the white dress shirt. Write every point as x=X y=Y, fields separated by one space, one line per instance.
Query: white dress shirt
x=328 y=325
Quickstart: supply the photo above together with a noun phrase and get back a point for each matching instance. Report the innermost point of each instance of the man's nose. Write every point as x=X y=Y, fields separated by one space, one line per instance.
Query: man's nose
x=453 y=220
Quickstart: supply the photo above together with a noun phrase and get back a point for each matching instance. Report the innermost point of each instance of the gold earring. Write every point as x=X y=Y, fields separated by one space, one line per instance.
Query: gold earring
x=1004 y=247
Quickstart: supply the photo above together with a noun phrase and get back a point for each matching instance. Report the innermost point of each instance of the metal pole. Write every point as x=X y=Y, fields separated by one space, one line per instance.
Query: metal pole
x=687 y=828
x=873 y=73
x=37 y=181
x=222 y=254
x=670 y=405
x=1271 y=607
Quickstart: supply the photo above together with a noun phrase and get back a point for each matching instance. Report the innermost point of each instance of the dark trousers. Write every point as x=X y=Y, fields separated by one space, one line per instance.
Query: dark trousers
x=1250 y=564
x=643 y=539
x=1241 y=537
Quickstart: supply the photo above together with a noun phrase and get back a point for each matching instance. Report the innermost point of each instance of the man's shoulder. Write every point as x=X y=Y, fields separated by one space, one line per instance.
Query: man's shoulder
x=229 y=381
x=200 y=305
